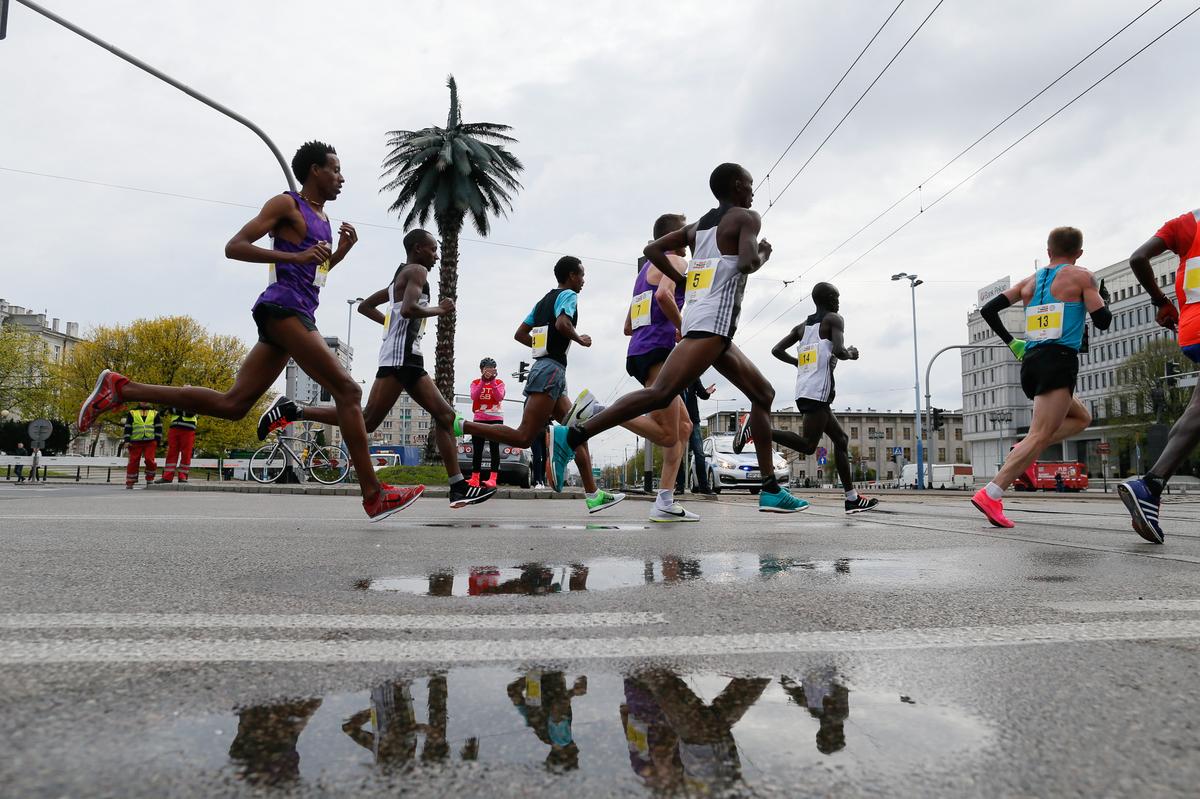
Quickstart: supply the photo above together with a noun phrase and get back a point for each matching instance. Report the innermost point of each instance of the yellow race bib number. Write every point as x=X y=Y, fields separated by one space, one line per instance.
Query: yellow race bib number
x=806 y=359
x=639 y=309
x=539 y=335
x=699 y=278
x=1044 y=322
x=1191 y=280
x=321 y=275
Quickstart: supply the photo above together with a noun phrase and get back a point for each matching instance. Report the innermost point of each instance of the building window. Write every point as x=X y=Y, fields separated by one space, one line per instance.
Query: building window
x=887 y=432
x=942 y=454
x=871 y=453
x=958 y=434
x=870 y=431
x=907 y=454
x=958 y=454
x=907 y=432
x=854 y=431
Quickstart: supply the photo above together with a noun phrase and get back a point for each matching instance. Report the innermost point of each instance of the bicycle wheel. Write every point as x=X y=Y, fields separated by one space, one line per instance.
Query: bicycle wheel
x=267 y=463
x=328 y=465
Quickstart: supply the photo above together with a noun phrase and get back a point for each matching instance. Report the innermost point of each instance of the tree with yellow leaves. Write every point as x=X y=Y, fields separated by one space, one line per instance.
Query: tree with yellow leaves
x=168 y=351
x=24 y=364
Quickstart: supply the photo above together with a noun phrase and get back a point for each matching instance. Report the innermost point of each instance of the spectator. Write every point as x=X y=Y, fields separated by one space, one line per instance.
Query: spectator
x=691 y=396
x=538 y=452
x=487 y=392
x=181 y=438
x=143 y=431
x=20 y=452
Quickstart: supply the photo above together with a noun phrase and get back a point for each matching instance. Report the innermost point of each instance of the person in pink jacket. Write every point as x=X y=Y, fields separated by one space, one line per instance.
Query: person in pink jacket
x=487 y=392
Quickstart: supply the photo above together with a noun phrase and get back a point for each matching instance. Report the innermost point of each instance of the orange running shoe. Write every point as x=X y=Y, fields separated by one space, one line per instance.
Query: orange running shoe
x=993 y=509
x=391 y=500
x=106 y=396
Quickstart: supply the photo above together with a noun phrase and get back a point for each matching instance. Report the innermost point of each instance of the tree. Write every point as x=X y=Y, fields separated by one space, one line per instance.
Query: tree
x=447 y=173
x=24 y=373
x=1138 y=390
x=169 y=351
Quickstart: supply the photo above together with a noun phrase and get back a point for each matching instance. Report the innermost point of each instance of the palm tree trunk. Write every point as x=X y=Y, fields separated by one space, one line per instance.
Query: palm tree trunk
x=443 y=374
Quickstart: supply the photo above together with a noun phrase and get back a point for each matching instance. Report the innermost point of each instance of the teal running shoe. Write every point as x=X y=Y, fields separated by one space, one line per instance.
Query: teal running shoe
x=780 y=502
x=562 y=455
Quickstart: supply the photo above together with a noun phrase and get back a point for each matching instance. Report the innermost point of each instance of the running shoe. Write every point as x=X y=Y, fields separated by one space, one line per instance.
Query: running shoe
x=742 y=437
x=675 y=513
x=780 y=502
x=861 y=504
x=582 y=409
x=106 y=396
x=458 y=425
x=463 y=493
x=1143 y=507
x=491 y=481
x=562 y=455
x=474 y=481
x=281 y=413
x=993 y=509
x=391 y=500
x=603 y=500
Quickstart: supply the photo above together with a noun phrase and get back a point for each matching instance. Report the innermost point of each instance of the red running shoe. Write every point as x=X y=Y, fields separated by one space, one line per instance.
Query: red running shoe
x=993 y=509
x=391 y=500
x=491 y=481
x=106 y=396
x=473 y=480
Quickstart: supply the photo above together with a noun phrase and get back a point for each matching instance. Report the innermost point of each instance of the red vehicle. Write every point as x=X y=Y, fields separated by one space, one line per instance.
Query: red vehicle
x=1041 y=476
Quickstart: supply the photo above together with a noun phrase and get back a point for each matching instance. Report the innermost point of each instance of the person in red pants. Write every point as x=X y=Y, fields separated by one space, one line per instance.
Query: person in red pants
x=143 y=431
x=181 y=438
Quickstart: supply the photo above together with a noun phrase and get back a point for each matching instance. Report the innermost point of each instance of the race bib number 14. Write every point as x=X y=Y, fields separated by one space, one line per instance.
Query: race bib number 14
x=539 y=335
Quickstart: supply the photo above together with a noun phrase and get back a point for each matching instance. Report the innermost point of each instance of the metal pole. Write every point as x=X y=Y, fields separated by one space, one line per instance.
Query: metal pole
x=188 y=90
x=917 y=392
x=648 y=467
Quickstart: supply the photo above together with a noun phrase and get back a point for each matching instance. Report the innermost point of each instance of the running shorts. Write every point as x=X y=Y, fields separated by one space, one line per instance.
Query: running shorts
x=407 y=375
x=268 y=310
x=547 y=376
x=1048 y=367
x=638 y=366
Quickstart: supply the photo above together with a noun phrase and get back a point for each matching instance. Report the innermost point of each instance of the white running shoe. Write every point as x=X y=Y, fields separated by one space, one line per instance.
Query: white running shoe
x=675 y=513
x=584 y=408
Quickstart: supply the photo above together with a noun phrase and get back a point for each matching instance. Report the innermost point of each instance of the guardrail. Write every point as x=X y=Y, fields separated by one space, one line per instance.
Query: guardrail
x=81 y=462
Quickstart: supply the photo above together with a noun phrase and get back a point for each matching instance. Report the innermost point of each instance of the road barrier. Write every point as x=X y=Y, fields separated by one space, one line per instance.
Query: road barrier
x=83 y=465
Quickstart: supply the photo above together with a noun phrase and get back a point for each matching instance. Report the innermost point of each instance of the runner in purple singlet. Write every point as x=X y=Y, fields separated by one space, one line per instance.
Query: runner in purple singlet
x=300 y=259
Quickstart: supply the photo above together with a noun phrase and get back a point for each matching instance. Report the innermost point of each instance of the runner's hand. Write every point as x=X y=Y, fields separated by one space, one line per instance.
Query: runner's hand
x=447 y=306
x=764 y=250
x=347 y=238
x=1167 y=316
x=1018 y=348
x=316 y=254
x=585 y=341
x=853 y=353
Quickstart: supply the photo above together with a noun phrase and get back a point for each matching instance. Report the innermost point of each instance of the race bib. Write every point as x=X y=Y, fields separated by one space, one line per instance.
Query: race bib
x=1044 y=322
x=321 y=275
x=533 y=689
x=637 y=735
x=699 y=278
x=387 y=320
x=539 y=335
x=639 y=309
x=1191 y=280
x=806 y=359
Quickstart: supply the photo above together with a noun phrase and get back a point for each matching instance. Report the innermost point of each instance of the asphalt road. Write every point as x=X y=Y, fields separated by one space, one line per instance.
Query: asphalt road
x=155 y=643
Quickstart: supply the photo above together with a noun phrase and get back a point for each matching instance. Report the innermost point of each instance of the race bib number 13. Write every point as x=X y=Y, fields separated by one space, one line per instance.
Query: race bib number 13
x=700 y=278
x=1044 y=322
x=539 y=336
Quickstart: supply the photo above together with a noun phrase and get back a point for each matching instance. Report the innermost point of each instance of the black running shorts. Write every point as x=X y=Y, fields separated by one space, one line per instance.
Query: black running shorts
x=407 y=375
x=269 y=310
x=1048 y=367
x=638 y=366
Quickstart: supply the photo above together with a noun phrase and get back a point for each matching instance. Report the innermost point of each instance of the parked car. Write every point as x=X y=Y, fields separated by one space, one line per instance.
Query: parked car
x=728 y=470
x=516 y=464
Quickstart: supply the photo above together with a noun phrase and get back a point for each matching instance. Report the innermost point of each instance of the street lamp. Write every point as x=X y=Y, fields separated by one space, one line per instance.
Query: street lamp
x=913 y=283
x=350 y=317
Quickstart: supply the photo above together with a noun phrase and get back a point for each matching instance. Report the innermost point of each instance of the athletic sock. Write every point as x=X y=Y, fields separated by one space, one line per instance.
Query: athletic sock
x=1155 y=483
x=852 y=495
x=594 y=494
x=458 y=478
x=576 y=436
x=994 y=491
x=666 y=498
x=771 y=485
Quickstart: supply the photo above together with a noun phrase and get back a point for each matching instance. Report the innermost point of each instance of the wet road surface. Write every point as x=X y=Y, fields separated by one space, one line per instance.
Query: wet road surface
x=210 y=644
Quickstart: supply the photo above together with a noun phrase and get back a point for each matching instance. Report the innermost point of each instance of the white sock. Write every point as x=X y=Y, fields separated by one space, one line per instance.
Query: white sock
x=852 y=495
x=594 y=494
x=458 y=478
x=666 y=498
x=994 y=491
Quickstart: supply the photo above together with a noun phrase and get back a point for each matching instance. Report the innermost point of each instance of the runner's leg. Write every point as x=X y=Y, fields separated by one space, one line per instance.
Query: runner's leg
x=426 y=394
x=583 y=458
x=539 y=409
x=1181 y=441
x=1049 y=413
x=260 y=369
x=741 y=371
x=384 y=393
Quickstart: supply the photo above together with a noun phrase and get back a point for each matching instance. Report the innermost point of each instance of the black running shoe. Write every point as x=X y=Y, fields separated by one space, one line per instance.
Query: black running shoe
x=281 y=413
x=742 y=437
x=463 y=493
x=861 y=504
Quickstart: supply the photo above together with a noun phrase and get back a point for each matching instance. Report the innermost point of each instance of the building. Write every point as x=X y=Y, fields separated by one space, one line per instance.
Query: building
x=874 y=437
x=996 y=413
x=307 y=391
x=407 y=423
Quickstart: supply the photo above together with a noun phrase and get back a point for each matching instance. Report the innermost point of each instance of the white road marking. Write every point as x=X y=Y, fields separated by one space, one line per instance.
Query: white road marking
x=1128 y=606
x=309 y=621
x=29 y=652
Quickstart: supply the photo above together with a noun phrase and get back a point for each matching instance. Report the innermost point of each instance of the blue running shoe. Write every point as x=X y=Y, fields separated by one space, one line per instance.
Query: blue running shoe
x=1143 y=506
x=780 y=502
x=562 y=455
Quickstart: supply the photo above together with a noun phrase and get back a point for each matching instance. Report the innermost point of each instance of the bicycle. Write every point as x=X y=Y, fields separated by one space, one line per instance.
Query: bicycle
x=325 y=464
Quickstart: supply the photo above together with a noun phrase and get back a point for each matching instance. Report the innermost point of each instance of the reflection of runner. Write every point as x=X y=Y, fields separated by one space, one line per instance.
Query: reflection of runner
x=653 y=745
x=264 y=748
x=393 y=736
x=707 y=752
x=544 y=702
x=827 y=701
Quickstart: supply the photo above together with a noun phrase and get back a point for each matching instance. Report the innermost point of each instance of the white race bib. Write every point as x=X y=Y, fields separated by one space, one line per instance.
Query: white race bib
x=699 y=278
x=539 y=335
x=639 y=309
x=1044 y=322
x=1191 y=280
x=806 y=359
x=321 y=275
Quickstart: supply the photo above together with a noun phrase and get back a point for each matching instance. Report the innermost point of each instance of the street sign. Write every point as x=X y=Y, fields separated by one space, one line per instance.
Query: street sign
x=1104 y=448
x=897 y=450
x=39 y=432
x=595 y=471
x=821 y=461
x=822 y=452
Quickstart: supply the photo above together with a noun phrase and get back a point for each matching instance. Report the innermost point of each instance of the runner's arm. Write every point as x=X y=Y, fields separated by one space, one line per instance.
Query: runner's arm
x=751 y=253
x=410 y=305
x=1167 y=316
x=658 y=250
x=664 y=295
x=837 y=337
x=1097 y=308
x=522 y=335
x=781 y=350
x=566 y=327
x=242 y=247
x=370 y=306
x=991 y=310
x=628 y=322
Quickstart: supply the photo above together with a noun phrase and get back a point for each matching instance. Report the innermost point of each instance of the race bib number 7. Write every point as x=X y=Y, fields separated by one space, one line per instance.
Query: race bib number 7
x=539 y=335
x=1044 y=322
x=699 y=278
x=639 y=309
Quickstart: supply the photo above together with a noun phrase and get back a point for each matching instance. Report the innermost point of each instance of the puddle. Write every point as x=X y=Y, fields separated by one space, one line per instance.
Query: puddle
x=499 y=526
x=647 y=733
x=606 y=574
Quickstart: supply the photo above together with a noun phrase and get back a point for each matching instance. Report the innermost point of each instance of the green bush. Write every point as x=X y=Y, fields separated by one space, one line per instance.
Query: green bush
x=413 y=475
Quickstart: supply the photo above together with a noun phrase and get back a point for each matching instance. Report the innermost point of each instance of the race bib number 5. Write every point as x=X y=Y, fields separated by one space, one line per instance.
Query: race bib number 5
x=639 y=309
x=1044 y=322
x=539 y=336
x=699 y=278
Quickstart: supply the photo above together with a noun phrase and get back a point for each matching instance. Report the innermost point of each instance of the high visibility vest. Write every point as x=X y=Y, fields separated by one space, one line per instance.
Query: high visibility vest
x=143 y=425
x=185 y=421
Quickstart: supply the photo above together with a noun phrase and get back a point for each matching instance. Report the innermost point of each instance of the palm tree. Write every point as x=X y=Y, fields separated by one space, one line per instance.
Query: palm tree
x=448 y=173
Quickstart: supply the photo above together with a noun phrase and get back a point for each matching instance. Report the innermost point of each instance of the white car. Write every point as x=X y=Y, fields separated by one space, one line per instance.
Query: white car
x=728 y=470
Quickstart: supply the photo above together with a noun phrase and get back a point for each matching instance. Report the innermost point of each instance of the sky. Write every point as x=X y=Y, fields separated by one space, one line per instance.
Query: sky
x=621 y=110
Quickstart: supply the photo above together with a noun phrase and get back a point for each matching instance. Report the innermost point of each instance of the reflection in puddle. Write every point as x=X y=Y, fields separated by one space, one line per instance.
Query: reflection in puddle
x=605 y=574
x=498 y=526
x=682 y=733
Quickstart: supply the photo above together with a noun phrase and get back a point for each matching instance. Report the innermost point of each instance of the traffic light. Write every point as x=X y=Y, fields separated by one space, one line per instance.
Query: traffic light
x=522 y=373
x=3 y=18
x=1172 y=370
x=938 y=421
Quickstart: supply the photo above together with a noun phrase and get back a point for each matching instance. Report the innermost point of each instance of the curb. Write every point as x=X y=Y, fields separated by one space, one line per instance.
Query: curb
x=436 y=492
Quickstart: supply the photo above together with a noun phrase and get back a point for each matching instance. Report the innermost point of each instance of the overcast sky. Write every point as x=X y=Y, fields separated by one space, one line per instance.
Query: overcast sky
x=621 y=111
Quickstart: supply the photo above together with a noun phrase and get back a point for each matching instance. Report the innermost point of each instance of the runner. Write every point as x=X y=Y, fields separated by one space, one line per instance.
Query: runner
x=402 y=365
x=1056 y=298
x=549 y=330
x=1143 y=497
x=653 y=322
x=300 y=261
x=725 y=250
x=821 y=347
x=487 y=394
